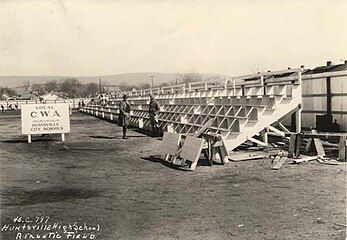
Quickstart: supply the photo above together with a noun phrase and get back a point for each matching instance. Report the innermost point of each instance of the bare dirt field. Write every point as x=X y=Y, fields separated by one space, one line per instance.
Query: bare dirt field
x=101 y=180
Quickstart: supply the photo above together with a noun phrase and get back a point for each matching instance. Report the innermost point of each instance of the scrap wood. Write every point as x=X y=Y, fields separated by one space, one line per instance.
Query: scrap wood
x=298 y=143
x=279 y=164
x=276 y=159
x=330 y=162
x=329 y=144
x=319 y=147
x=245 y=157
x=292 y=144
x=256 y=148
x=280 y=143
x=306 y=159
x=322 y=135
x=320 y=159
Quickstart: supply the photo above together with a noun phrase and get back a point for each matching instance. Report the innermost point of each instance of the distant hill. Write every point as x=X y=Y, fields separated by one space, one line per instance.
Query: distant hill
x=116 y=79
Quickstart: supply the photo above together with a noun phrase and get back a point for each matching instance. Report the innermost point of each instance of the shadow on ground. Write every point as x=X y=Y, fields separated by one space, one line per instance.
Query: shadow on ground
x=21 y=197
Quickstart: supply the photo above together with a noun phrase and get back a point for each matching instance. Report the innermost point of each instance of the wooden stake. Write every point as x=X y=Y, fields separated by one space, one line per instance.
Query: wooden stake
x=343 y=149
x=291 y=145
x=298 y=145
x=319 y=147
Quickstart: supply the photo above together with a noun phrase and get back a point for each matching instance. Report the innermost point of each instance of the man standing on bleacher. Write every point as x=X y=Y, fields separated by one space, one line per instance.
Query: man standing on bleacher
x=153 y=110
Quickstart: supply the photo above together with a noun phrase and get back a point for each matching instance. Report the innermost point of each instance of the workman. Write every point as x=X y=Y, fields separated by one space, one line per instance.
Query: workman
x=153 y=110
x=124 y=115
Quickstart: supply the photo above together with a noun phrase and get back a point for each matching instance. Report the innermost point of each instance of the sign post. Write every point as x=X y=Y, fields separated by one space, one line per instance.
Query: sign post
x=45 y=119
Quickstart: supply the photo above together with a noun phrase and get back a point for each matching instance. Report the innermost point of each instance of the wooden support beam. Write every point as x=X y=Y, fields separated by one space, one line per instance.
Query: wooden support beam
x=298 y=120
x=343 y=149
x=283 y=128
x=320 y=135
x=257 y=141
x=264 y=134
x=204 y=127
x=279 y=132
x=291 y=149
x=298 y=145
x=319 y=147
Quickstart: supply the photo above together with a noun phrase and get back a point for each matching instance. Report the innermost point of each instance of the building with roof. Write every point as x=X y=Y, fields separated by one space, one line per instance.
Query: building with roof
x=325 y=97
x=52 y=96
x=27 y=96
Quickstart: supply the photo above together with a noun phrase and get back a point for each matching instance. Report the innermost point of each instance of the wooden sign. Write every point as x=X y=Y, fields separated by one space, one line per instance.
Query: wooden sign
x=45 y=119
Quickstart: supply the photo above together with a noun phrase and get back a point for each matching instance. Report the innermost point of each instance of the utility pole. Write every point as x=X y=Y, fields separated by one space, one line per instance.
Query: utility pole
x=100 y=85
x=152 y=80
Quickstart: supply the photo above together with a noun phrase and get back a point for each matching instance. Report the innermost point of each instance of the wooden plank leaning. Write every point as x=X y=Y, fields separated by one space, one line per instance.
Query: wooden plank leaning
x=199 y=132
x=343 y=149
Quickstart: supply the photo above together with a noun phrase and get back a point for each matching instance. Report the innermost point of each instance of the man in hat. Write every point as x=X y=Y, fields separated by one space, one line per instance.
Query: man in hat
x=124 y=115
x=154 y=109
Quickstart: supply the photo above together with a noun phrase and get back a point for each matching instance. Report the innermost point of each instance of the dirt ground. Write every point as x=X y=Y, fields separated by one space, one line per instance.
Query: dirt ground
x=98 y=178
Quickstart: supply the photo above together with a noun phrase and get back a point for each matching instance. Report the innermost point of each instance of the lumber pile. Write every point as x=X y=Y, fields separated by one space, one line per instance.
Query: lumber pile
x=316 y=145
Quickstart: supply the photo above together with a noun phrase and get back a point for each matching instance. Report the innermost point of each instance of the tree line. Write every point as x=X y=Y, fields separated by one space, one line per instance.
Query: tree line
x=72 y=88
x=69 y=87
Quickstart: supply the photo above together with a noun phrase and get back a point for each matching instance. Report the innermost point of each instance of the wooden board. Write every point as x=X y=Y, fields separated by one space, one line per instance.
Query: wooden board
x=279 y=164
x=305 y=159
x=330 y=162
x=191 y=150
x=169 y=144
x=308 y=145
x=319 y=147
x=204 y=127
x=276 y=159
x=342 y=149
x=245 y=157
x=199 y=132
x=291 y=145
x=298 y=145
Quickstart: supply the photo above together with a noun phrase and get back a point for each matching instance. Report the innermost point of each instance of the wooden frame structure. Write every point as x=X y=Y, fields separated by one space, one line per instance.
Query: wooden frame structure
x=243 y=106
x=237 y=104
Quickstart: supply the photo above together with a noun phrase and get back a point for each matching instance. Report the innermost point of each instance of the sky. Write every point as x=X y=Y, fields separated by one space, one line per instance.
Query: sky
x=88 y=38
